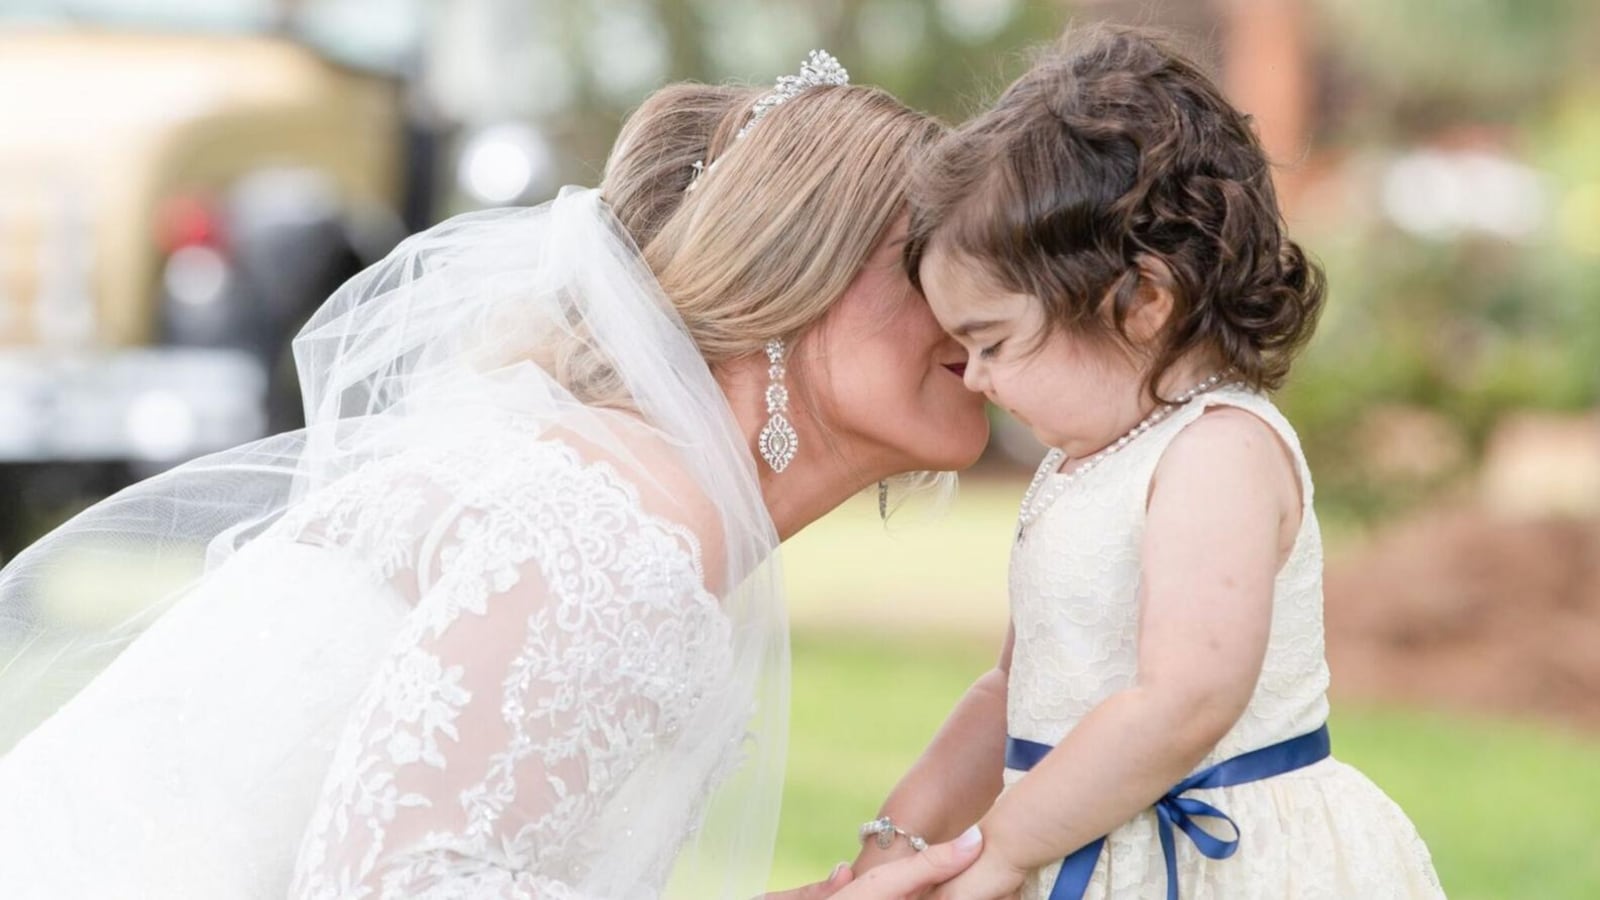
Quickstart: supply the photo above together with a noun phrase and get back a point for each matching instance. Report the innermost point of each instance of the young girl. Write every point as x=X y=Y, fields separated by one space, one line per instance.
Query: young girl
x=1107 y=246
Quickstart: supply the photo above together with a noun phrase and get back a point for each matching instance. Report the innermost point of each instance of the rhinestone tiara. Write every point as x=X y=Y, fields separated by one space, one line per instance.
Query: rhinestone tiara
x=820 y=69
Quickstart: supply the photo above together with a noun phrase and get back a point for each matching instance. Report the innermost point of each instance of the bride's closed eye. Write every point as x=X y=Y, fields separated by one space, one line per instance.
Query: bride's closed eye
x=990 y=351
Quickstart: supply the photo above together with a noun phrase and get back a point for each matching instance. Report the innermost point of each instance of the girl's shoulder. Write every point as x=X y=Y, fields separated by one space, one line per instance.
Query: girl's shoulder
x=1236 y=437
x=1223 y=430
x=1233 y=424
x=1227 y=436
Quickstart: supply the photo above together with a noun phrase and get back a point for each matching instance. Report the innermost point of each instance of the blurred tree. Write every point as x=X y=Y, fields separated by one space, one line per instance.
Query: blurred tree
x=946 y=56
x=1422 y=63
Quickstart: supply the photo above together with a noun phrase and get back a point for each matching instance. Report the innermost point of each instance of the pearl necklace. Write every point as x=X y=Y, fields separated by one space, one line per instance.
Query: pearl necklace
x=1035 y=503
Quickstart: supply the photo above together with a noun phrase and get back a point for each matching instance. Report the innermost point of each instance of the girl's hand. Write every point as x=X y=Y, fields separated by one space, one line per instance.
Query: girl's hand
x=990 y=878
x=903 y=879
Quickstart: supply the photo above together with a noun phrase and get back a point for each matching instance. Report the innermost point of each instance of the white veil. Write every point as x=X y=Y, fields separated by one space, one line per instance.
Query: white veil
x=548 y=313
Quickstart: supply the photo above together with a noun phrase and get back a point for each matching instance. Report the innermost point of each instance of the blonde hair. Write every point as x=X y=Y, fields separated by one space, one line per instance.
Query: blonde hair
x=765 y=244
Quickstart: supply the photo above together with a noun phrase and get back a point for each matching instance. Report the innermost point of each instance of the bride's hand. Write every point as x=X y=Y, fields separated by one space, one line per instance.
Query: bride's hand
x=903 y=879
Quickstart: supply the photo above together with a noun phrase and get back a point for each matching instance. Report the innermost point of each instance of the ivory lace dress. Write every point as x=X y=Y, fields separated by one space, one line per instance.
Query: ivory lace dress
x=381 y=697
x=1323 y=831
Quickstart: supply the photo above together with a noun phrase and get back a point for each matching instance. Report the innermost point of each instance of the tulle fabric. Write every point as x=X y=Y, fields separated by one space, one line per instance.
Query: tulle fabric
x=545 y=318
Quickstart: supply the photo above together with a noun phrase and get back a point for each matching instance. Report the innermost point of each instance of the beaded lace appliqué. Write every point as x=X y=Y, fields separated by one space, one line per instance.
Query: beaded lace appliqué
x=560 y=636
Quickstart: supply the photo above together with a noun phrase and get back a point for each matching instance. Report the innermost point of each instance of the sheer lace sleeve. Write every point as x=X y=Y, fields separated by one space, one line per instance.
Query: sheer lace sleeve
x=560 y=636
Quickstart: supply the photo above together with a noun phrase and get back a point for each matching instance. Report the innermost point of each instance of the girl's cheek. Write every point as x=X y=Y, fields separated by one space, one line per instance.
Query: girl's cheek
x=1001 y=387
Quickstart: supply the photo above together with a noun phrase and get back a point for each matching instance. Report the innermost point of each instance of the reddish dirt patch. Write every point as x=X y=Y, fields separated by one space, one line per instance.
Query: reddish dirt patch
x=1462 y=609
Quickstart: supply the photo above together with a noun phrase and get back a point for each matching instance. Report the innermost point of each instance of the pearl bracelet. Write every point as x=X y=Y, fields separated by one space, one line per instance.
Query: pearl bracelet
x=885 y=830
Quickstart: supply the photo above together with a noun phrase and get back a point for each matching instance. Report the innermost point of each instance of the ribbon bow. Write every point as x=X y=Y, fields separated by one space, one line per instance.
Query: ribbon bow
x=1175 y=811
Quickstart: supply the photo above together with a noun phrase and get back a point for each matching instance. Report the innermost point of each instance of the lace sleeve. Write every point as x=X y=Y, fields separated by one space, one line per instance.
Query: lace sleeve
x=560 y=636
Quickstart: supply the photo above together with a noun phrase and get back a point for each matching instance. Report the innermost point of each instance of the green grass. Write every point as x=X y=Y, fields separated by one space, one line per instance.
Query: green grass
x=862 y=710
x=1509 y=810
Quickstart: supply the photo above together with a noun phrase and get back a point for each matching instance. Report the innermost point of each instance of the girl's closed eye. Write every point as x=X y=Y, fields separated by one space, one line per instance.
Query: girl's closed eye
x=990 y=351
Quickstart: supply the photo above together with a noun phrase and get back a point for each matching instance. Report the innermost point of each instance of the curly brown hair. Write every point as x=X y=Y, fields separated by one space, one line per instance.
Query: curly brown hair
x=1113 y=148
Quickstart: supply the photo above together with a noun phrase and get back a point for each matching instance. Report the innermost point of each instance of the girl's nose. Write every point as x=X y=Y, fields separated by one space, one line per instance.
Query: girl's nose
x=976 y=376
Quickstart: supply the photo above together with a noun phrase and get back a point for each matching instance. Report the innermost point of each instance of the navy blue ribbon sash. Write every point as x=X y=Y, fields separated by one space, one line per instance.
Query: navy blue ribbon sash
x=1176 y=810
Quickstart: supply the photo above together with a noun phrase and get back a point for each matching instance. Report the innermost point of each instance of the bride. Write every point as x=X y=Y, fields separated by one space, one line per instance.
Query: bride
x=505 y=619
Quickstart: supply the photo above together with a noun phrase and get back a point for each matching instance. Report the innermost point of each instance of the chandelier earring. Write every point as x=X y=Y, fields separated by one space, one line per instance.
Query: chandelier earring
x=778 y=441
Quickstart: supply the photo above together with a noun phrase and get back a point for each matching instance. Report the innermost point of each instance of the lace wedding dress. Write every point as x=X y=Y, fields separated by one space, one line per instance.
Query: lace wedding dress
x=513 y=643
x=1323 y=832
